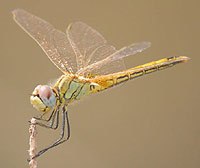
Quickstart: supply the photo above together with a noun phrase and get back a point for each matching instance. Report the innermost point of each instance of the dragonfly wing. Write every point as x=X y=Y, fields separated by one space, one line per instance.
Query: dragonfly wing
x=53 y=42
x=117 y=56
x=91 y=47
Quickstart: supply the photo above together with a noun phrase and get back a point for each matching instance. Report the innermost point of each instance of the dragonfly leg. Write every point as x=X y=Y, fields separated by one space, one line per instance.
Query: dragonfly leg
x=59 y=140
x=52 y=121
x=68 y=131
x=42 y=116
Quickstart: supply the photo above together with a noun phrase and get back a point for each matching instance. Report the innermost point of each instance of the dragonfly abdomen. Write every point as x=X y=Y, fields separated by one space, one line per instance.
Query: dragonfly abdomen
x=107 y=81
x=155 y=66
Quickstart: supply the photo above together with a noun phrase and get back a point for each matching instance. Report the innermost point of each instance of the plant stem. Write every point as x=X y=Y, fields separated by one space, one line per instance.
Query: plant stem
x=32 y=143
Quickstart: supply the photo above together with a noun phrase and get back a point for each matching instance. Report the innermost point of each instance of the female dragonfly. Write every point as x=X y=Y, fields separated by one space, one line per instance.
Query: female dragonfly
x=89 y=65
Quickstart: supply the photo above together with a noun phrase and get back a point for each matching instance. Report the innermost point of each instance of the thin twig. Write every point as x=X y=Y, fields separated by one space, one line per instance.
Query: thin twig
x=32 y=143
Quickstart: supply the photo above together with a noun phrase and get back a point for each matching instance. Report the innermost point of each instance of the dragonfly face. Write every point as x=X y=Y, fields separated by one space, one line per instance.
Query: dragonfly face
x=43 y=98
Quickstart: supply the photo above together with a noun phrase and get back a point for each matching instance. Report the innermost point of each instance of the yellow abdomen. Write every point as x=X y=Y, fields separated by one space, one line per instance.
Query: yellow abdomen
x=107 y=81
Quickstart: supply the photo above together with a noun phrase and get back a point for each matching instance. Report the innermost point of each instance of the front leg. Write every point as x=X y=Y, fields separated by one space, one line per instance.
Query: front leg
x=56 y=115
x=44 y=114
x=59 y=140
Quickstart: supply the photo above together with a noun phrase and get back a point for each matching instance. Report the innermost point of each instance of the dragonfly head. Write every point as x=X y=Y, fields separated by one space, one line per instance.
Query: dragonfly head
x=43 y=98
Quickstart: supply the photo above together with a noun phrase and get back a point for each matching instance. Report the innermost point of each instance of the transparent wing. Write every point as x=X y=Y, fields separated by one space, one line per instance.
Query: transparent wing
x=81 y=50
x=53 y=42
x=116 y=56
x=91 y=47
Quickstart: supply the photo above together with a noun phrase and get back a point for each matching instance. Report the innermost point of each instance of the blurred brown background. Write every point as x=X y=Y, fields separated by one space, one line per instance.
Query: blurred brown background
x=150 y=122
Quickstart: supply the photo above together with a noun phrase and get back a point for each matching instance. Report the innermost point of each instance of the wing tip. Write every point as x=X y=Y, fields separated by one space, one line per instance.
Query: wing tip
x=74 y=23
x=147 y=44
x=16 y=10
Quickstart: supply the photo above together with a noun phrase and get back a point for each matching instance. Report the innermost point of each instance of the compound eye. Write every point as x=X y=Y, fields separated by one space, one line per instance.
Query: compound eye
x=44 y=91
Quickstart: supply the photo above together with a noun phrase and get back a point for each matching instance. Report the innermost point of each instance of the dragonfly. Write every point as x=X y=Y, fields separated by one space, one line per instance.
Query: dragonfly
x=89 y=65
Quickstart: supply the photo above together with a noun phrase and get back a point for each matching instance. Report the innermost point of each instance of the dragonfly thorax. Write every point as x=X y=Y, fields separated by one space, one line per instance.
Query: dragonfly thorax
x=43 y=98
x=72 y=87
